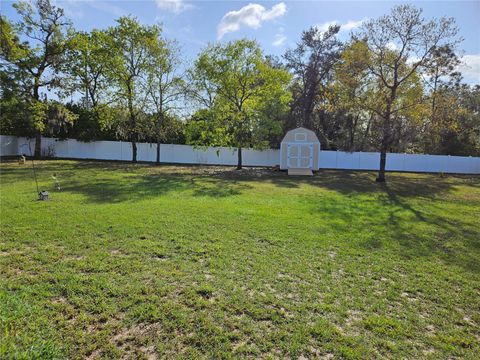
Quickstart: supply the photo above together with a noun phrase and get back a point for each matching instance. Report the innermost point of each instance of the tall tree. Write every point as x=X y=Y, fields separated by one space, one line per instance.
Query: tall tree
x=165 y=86
x=352 y=96
x=87 y=63
x=86 y=68
x=441 y=78
x=246 y=89
x=131 y=50
x=400 y=46
x=311 y=63
x=457 y=128
x=47 y=32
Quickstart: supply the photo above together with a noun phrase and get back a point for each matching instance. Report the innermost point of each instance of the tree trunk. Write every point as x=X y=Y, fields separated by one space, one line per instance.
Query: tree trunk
x=134 y=139
x=384 y=147
x=309 y=105
x=159 y=124
x=387 y=134
x=239 y=164
x=134 y=151
x=38 y=145
x=38 y=134
x=133 y=122
x=383 y=161
x=365 y=135
x=353 y=128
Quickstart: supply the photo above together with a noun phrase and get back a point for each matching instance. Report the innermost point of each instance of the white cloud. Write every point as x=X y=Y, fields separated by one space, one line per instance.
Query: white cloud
x=392 y=46
x=251 y=15
x=352 y=24
x=470 y=68
x=411 y=60
x=324 y=27
x=175 y=6
x=71 y=8
x=349 y=25
x=279 y=39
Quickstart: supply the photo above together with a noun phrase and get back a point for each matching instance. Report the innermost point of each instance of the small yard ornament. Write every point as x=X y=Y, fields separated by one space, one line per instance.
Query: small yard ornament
x=43 y=195
x=55 y=182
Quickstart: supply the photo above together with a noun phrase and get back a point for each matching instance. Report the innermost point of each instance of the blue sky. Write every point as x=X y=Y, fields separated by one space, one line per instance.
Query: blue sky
x=276 y=25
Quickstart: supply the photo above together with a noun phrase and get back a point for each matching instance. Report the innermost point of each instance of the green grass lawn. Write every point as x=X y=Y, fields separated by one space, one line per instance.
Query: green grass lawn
x=132 y=261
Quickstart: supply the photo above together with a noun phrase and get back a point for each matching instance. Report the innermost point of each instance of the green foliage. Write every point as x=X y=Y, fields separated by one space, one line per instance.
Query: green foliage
x=456 y=129
x=86 y=66
x=38 y=115
x=312 y=62
x=88 y=127
x=393 y=86
x=250 y=96
x=205 y=128
x=132 y=48
x=172 y=131
x=50 y=118
x=10 y=46
x=49 y=33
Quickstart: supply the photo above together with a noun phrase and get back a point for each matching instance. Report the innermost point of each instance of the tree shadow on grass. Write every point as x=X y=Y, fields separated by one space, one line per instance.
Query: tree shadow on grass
x=218 y=187
x=121 y=188
x=392 y=208
x=117 y=189
x=406 y=213
x=457 y=242
x=350 y=182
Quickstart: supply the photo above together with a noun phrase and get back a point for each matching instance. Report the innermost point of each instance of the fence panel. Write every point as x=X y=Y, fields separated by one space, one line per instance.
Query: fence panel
x=8 y=145
x=395 y=162
x=369 y=161
x=462 y=164
x=327 y=159
x=186 y=154
x=347 y=160
x=108 y=150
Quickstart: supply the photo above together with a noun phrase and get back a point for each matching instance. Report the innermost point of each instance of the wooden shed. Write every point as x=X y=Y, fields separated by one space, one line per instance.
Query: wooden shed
x=299 y=152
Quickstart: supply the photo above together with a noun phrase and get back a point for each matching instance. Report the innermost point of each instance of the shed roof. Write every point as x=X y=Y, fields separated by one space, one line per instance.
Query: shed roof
x=311 y=133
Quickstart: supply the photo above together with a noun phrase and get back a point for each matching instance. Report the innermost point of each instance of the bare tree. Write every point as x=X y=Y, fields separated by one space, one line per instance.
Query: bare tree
x=401 y=45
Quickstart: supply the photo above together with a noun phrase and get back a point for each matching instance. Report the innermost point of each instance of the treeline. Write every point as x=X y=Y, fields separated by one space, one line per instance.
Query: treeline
x=392 y=87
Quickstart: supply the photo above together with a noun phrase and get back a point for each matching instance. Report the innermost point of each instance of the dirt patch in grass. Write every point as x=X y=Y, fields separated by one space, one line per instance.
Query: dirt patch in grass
x=132 y=340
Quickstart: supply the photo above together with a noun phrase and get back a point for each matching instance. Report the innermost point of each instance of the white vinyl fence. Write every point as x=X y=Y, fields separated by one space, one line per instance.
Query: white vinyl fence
x=185 y=154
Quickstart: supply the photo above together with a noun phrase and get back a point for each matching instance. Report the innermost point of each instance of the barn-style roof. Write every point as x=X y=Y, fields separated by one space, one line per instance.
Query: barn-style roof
x=289 y=136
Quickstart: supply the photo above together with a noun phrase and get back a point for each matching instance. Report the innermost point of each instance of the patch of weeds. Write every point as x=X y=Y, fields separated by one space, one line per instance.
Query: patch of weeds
x=383 y=326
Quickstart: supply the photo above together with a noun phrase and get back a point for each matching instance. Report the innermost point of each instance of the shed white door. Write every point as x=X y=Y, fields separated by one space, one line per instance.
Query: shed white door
x=300 y=156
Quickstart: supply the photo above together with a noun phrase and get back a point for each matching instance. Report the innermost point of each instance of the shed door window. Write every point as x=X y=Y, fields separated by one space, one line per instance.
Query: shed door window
x=300 y=137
